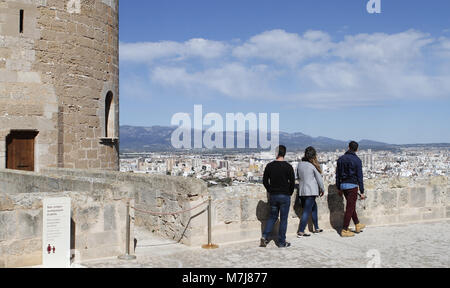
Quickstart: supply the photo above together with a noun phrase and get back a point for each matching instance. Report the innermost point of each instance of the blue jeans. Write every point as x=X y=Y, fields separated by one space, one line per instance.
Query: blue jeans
x=309 y=208
x=279 y=204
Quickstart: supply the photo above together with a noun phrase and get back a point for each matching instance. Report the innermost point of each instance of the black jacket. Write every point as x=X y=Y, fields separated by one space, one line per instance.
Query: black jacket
x=349 y=170
x=279 y=178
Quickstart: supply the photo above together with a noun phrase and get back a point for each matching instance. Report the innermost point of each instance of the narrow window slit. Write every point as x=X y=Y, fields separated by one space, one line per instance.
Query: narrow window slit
x=21 y=21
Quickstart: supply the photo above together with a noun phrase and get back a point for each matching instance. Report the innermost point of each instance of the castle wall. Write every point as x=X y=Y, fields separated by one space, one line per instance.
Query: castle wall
x=156 y=193
x=98 y=228
x=54 y=78
x=240 y=212
x=98 y=215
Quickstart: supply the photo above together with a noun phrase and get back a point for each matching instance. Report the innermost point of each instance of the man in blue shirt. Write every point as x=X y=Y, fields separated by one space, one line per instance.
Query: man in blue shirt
x=349 y=177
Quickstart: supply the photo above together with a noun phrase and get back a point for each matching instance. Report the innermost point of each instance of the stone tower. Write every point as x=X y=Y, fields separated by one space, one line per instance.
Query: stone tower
x=59 y=84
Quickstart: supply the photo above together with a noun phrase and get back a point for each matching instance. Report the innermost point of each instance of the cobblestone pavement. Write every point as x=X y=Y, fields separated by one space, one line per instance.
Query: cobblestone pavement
x=414 y=245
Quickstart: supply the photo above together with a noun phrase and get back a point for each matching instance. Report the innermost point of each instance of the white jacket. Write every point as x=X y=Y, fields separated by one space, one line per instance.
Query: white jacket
x=310 y=180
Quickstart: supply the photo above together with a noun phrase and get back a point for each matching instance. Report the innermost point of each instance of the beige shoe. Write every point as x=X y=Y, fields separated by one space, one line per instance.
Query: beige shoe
x=359 y=227
x=347 y=233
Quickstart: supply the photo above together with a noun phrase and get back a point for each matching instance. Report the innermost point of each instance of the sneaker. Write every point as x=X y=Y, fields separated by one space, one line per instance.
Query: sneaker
x=285 y=245
x=263 y=242
x=347 y=233
x=317 y=231
x=300 y=235
x=359 y=227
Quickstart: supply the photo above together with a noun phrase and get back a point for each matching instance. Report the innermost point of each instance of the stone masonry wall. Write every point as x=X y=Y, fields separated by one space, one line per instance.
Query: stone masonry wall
x=97 y=232
x=98 y=212
x=54 y=78
x=26 y=102
x=240 y=212
x=157 y=193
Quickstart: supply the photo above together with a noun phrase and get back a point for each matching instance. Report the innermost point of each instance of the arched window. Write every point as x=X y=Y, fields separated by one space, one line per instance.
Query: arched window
x=109 y=115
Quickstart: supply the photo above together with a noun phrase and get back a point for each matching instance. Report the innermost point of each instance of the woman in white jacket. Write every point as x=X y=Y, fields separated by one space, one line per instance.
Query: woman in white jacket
x=310 y=187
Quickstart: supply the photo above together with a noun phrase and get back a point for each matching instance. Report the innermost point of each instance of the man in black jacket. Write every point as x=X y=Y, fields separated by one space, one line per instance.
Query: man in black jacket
x=349 y=177
x=279 y=180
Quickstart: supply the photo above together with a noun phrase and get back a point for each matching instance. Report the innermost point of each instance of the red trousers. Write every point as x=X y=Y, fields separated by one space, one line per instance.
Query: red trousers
x=351 y=196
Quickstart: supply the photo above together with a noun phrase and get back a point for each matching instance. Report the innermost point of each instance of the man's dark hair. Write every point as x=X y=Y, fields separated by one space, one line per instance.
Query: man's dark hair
x=281 y=151
x=353 y=146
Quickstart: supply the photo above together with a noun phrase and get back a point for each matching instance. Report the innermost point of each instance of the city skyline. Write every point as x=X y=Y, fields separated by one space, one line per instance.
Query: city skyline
x=244 y=168
x=322 y=66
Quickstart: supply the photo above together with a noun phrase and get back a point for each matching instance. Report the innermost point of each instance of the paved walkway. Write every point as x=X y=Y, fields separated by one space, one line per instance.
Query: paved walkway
x=415 y=245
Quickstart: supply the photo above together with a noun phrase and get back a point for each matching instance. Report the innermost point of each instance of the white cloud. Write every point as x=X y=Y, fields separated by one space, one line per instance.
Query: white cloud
x=309 y=69
x=148 y=52
x=233 y=80
x=381 y=47
x=442 y=48
x=356 y=84
x=285 y=48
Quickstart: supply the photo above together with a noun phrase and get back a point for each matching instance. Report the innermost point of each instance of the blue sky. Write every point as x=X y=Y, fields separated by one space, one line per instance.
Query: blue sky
x=327 y=67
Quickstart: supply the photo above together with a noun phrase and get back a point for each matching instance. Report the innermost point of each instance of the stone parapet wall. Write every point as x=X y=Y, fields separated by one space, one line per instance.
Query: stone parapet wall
x=97 y=228
x=153 y=193
x=15 y=182
x=160 y=194
x=240 y=212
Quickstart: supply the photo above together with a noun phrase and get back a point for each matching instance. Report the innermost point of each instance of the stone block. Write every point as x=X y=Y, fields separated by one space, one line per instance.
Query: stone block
x=435 y=213
x=109 y=217
x=389 y=199
x=107 y=251
x=29 y=224
x=92 y=154
x=7 y=76
x=80 y=241
x=386 y=219
x=418 y=197
x=409 y=218
x=108 y=238
x=403 y=197
x=20 y=247
x=399 y=182
x=24 y=260
x=87 y=217
x=249 y=208
x=435 y=195
x=28 y=77
x=6 y=203
x=8 y=225
x=229 y=211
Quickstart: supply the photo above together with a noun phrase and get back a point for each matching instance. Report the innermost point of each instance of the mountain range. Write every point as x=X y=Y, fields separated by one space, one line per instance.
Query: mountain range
x=158 y=139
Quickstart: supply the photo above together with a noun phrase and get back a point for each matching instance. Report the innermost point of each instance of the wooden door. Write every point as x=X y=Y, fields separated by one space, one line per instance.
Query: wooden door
x=20 y=150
